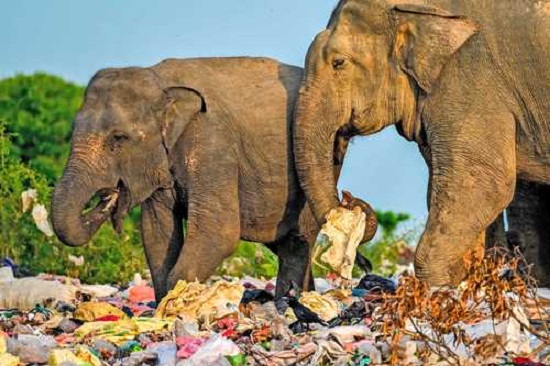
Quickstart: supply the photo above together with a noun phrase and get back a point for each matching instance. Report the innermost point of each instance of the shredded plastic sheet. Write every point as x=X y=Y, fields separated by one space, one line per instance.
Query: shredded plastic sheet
x=324 y=305
x=25 y=293
x=118 y=332
x=193 y=301
x=90 y=311
x=9 y=360
x=344 y=230
x=27 y=199
x=211 y=350
x=285 y=357
x=40 y=216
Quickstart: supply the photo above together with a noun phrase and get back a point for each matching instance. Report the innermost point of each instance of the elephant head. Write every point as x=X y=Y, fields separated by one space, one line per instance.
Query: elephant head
x=370 y=68
x=120 y=149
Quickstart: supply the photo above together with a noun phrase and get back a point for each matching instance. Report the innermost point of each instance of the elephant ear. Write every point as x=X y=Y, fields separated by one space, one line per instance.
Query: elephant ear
x=182 y=105
x=426 y=39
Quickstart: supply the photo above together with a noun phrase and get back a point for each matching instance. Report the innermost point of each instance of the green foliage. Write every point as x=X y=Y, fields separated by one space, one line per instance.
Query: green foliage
x=250 y=259
x=38 y=110
x=388 y=250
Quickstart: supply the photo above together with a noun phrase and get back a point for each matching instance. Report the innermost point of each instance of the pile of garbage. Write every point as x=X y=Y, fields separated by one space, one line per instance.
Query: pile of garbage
x=497 y=316
x=493 y=318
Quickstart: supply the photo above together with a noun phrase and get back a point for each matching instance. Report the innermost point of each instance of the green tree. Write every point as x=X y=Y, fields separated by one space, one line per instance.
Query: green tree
x=38 y=111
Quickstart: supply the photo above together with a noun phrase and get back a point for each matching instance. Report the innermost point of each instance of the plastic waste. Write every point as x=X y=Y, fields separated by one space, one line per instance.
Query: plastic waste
x=325 y=306
x=343 y=230
x=211 y=350
x=9 y=360
x=188 y=346
x=59 y=356
x=372 y=282
x=193 y=301
x=25 y=293
x=40 y=216
x=91 y=311
x=27 y=199
x=6 y=274
x=141 y=293
x=166 y=353
x=285 y=357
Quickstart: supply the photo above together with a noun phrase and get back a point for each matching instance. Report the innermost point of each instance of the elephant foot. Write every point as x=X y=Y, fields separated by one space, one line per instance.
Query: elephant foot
x=439 y=266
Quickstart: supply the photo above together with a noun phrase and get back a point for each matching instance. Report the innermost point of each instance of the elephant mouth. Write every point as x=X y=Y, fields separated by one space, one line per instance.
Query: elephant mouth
x=112 y=202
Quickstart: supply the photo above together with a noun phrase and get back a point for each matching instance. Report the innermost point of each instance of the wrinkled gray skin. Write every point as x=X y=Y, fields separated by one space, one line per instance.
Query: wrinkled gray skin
x=205 y=140
x=467 y=80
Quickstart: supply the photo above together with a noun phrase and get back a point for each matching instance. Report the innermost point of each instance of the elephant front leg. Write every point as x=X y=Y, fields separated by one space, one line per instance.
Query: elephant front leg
x=293 y=253
x=162 y=236
x=472 y=180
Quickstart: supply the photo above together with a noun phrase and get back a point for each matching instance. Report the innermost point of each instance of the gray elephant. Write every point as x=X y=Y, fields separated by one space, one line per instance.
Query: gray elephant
x=202 y=140
x=468 y=81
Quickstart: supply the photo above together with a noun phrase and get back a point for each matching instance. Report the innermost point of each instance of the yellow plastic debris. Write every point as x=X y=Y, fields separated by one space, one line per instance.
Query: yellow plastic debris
x=114 y=332
x=90 y=311
x=9 y=360
x=3 y=343
x=325 y=306
x=58 y=356
x=147 y=325
x=195 y=301
x=84 y=354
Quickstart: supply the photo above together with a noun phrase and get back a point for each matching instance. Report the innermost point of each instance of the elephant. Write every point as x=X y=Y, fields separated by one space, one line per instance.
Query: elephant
x=468 y=81
x=528 y=227
x=204 y=140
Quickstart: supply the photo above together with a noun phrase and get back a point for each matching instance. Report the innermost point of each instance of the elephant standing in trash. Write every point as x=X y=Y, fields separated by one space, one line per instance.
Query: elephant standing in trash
x=468 y=81
x=203 y=140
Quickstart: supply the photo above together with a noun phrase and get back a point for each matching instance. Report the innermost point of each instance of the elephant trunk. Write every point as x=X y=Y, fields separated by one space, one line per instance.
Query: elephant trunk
x=314 y=137
x=70 y=197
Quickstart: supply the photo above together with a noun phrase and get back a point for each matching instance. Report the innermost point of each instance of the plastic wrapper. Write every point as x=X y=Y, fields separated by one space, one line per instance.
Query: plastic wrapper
x=211 y=350
x=59 y=356
x=27 y=199
x=25 y=293
x=40 y=216
x=90 y=311
x=344 y=230
x=9 y=360
x=325 y=306
x=285 y=357
x=195 y=301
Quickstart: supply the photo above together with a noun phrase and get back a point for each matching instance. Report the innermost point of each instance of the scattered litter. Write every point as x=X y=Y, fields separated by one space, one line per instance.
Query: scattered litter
x=488 y=319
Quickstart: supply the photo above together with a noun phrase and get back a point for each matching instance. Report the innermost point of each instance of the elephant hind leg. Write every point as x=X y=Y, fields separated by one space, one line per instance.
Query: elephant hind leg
x=473 y=178
x=529 y=223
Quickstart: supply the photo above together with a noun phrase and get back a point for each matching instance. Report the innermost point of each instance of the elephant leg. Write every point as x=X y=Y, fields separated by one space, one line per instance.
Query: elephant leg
x=472 y=181
x=293 y=254
x=213 y=216
x=162 y=236
x=529 y=226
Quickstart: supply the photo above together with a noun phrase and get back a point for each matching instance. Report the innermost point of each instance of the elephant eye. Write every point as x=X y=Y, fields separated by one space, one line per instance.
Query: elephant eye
x=117 y=139
x=338 y=63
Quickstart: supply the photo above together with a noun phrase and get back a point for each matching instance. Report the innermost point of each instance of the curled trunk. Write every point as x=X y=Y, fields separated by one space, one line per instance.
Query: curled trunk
x=70 y=197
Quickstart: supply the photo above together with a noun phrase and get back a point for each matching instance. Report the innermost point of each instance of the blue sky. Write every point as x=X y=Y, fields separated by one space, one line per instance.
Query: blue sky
x=74 y=39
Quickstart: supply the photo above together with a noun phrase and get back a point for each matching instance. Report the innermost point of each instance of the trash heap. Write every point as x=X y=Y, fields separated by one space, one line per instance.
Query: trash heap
x=497 y=316
x=493 y=318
